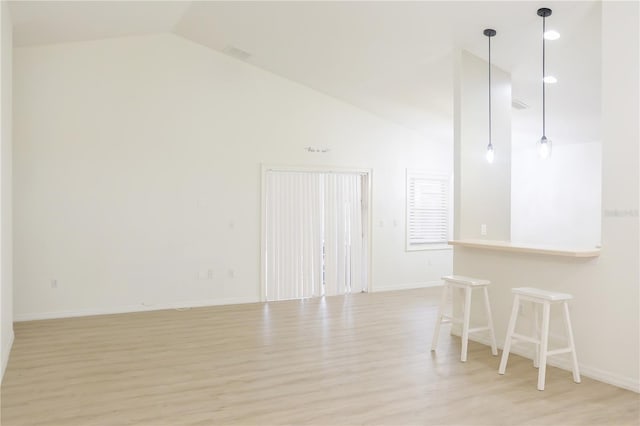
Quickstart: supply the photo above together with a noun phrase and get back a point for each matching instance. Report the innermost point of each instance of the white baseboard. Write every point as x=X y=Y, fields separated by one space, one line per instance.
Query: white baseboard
x=5 y=360
x=133 y=308
x=564 y=364
x=34 y=316
x=407 y=286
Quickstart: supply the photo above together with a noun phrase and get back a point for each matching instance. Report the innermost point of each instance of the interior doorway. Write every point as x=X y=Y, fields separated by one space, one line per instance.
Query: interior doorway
x=315 y=233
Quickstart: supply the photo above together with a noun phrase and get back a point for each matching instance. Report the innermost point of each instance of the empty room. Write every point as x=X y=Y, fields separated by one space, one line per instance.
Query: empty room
x=319 y=213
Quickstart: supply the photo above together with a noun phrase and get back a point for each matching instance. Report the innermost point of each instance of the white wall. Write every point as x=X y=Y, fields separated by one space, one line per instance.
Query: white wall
x=606 y=289
x=556 y=201
x=6 y=244
x=482 y=190
x=137 y=165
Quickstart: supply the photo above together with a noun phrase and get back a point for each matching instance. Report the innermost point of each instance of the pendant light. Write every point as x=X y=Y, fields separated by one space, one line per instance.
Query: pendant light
x=544 y=144
x=489 y=33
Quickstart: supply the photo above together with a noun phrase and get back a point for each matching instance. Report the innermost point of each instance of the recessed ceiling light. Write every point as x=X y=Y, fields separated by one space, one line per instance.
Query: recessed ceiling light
x=551 y=35
x=550 y=79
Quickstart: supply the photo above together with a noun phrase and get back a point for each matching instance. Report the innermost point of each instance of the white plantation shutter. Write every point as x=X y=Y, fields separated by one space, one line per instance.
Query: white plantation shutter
x=427 y=209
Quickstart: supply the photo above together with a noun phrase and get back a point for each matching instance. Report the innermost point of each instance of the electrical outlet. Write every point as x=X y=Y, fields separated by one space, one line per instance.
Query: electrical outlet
x=54 y=283
x=483 y=229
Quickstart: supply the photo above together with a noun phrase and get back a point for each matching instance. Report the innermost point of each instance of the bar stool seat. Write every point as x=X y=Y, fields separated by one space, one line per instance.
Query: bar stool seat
x=467 y=284
x=545 y=299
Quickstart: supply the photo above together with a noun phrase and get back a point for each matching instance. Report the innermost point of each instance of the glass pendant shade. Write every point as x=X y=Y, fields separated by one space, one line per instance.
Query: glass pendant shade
x=544 y=148
x=489 y=154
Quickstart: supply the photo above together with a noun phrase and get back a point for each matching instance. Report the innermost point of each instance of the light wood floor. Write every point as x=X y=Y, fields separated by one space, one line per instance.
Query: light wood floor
x=361 y=359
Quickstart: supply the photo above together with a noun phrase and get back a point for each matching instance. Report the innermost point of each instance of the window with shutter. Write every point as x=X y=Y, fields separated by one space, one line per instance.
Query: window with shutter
x=428 y=212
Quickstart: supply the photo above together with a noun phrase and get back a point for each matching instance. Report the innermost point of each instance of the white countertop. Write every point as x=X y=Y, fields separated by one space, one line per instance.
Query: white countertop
x=527 y=248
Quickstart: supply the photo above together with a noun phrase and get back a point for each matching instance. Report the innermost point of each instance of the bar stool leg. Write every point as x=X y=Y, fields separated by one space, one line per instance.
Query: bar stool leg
x=536 y=333
x=494 y=348
x=443 y=302
x=510 y=329
x=465 y=323
x=574 y=358
x=544 y=345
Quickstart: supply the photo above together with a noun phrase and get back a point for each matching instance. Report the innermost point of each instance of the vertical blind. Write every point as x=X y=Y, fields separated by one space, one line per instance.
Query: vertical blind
x=427 y=208
x=314 y=235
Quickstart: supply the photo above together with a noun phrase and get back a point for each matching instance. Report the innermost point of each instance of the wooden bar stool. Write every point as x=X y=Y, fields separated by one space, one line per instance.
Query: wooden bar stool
x=467 y=284
x=546 y=299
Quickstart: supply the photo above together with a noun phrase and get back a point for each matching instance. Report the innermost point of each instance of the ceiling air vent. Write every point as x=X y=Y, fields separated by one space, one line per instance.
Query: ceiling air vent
x=243 y=55
x=518 y=104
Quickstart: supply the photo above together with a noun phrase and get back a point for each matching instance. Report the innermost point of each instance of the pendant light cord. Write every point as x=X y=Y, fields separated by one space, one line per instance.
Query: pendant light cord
x=490 y=142
x=544 y=133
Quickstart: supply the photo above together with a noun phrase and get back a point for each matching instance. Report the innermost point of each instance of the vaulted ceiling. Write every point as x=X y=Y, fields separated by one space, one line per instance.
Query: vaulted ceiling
x=394 y=59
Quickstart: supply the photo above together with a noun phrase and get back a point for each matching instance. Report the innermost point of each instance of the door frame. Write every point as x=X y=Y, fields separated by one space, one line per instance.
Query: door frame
x=367 y=216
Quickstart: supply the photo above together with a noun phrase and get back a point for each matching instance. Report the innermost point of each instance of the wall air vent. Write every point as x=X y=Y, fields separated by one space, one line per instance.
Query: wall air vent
x=518 y=104
x=243 y=55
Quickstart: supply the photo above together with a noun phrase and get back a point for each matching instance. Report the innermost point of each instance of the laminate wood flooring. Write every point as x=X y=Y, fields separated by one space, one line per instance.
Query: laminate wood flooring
x=360 y=359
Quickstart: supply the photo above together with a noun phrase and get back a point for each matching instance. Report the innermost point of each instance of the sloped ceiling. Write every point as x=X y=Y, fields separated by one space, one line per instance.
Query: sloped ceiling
x=394 y=59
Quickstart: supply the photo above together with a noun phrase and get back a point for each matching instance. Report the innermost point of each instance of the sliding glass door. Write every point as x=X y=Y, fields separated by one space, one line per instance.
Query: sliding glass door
x=315 y=234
